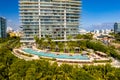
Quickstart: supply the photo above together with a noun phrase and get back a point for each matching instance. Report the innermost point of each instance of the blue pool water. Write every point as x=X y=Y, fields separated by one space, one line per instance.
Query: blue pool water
x=52 y=55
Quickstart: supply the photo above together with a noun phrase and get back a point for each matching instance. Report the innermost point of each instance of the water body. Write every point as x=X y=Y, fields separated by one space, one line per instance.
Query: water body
x=53 y=55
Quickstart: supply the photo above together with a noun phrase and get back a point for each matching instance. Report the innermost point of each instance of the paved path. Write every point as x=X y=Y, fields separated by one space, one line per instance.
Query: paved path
x=115 y=63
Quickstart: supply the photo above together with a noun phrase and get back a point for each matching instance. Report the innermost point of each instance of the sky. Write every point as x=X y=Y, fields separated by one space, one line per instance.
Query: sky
x=94 y=12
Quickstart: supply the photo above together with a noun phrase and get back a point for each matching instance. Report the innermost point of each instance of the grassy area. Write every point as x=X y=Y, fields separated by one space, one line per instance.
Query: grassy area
x=49 y=59
x=102 y=61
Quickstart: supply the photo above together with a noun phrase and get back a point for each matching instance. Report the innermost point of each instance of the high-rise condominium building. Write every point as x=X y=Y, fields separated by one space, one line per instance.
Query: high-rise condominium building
x=2 y=27
x=117 y=28
x=54 y=18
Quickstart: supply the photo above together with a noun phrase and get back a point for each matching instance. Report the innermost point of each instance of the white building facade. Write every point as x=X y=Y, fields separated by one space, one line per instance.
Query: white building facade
x=54 y=18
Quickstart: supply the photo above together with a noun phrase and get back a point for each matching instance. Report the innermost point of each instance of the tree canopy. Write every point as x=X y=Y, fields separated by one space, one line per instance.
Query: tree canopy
x=12 y=68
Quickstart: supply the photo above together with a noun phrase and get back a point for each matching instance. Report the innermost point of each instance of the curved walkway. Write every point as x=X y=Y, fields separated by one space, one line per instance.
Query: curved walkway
x=115 y=63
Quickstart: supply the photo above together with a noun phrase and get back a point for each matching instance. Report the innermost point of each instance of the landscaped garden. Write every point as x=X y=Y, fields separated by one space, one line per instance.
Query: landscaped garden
x=12 y=68
x=78 y=46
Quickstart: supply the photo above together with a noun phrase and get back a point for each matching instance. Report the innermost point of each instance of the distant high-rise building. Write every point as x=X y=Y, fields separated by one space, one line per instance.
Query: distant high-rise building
x=53 y=18
x=2 y=27
x=117 y=28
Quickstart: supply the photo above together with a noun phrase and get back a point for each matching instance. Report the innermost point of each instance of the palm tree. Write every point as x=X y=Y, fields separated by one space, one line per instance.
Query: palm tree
x=60 y=45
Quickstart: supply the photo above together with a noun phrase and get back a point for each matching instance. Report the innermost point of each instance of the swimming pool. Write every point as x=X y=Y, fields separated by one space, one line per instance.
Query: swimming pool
x=52 y=55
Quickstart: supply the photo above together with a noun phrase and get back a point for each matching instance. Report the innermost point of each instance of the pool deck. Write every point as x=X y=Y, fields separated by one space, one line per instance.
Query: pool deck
x=58 y=60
